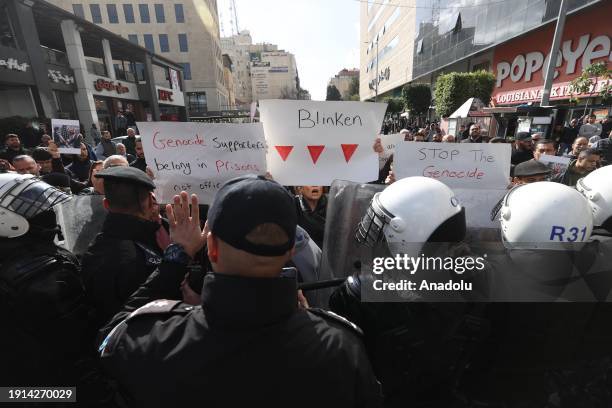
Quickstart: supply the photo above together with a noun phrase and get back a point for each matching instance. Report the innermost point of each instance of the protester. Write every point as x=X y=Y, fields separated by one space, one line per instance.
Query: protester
x=115 y=161
x=543 y=147
x=121 y=151
x=95 y=186
x=12 y=148
x=569 y=135
x=79 y=169
x=29 y=136
x=474 y=136
x=605 y=147
x=140 y=162
x=587 y=161
x=419 y=136
x=106 y=147
x=44 y=140
x=94 y=134
x=590 y=129
x=408 y=137
x=120 y=124
x=25 y=164
x=270 y=351
x=580 y=143
x=523 y=148
x=130 y=142
x=448 y=139
x=311 y=205
x=530 y=171
x=126 y=252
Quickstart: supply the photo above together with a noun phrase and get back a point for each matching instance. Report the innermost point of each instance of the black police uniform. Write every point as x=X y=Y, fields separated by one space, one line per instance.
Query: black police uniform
x=122 y=256
x=248 y=344
x=42 y=312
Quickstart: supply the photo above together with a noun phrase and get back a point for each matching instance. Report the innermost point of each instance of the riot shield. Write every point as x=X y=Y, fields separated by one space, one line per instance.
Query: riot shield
x=81 y=220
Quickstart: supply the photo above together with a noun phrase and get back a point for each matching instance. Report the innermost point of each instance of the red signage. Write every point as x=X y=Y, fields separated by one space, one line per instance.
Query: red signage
x=164 y=95
x=520 y=64
x=102 y=84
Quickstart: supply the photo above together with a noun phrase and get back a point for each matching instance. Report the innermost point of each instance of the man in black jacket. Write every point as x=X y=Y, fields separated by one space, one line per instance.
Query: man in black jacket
x=248 y=343
x=126 y=252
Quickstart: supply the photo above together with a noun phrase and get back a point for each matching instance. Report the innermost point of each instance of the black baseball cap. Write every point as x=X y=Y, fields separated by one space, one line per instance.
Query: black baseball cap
x=41 y=154
x=127 y=175
x=523 y=136
x=246 y=202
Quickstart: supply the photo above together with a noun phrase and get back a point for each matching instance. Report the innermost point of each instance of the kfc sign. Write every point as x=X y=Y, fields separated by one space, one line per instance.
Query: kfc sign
x=101 y=84
x=164 y=95
x=585 y=49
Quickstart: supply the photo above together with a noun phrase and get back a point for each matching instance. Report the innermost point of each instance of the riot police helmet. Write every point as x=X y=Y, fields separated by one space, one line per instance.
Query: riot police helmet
x=597 y=188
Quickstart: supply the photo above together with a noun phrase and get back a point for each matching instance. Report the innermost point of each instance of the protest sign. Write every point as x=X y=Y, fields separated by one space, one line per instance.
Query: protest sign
x=200 y=157
x=556 y=164
x=65 y=135
x=479 y=166
x=81 y=220
x=389 y=142
x=313 y=143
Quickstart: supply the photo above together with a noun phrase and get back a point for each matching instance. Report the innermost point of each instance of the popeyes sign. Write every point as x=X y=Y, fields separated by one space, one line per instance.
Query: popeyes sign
x=520 y=64
x=102 y=84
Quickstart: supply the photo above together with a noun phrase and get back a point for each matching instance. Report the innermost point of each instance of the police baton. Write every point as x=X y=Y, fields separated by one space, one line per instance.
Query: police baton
x=321 y=284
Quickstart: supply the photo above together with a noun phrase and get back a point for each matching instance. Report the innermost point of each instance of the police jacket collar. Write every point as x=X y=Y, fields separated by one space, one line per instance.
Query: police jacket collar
x=129 y=227
x=237 y=302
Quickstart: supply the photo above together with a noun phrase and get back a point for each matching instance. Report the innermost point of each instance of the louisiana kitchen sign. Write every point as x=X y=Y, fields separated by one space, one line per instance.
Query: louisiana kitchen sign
x=520 y=64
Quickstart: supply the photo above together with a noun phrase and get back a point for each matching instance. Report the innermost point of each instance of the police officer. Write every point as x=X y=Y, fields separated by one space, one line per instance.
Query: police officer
x=126 y=252
x=41 y=311
x=248 y=343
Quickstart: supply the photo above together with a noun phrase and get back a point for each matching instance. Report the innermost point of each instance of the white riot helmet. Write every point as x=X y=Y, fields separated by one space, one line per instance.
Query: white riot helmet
x=545 y=215
x=22 y=197
x=597 y=188
x=410 y=212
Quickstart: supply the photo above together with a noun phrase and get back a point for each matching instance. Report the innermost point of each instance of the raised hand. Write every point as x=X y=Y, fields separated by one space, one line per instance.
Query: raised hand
x=185 y=223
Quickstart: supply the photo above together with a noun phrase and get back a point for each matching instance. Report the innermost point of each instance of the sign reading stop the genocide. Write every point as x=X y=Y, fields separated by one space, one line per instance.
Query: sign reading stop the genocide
x=462 y=165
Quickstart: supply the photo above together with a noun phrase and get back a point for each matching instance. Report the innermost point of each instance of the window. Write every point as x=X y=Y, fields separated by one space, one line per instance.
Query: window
x=96 y=14
x=159 y=13
x=133 y=38
x=178 y=11
x=7 y=34
x=78 y=10
x=144 y=13
x=111 y=9
x=148 y=42
x=183 y=46
x=196 y=102
x=128 y=11
x=186 y=70
x=163 y=43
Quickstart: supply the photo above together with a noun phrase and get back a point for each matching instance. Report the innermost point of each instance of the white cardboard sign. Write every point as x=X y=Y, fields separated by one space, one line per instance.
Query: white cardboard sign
x=482 y=166
x=314 y=143
x=65 y=135
x=200 y=157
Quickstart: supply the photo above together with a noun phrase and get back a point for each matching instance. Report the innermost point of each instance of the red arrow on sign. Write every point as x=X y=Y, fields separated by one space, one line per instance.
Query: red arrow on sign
x=284 y=151
x=315 y=152
x=348 y=150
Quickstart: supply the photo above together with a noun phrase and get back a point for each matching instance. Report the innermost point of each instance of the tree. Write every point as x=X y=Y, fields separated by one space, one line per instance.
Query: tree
x=417 y=98
x=453 y=89
x=394 y=105
x=588 y=82
x=354 y=87
x=288 y=93
x=333 y=94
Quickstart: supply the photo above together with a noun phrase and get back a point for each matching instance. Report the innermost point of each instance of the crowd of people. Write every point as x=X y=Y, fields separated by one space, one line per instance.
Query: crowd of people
x=182 y=303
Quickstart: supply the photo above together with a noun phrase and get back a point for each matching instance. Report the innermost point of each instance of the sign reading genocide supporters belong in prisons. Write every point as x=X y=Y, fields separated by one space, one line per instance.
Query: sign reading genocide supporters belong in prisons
x=199 y=157
x=314 y=143
x=458 y=165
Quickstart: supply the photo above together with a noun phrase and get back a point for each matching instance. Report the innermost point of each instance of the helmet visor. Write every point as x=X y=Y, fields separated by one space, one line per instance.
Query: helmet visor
x=370 y=230
x=31 y=196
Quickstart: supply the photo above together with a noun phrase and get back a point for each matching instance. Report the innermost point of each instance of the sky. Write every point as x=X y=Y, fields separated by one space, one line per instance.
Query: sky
x=322 y=34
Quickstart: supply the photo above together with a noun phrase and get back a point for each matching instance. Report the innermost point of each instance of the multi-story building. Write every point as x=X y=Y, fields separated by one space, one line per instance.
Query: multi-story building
x=228 y=74
x=512 y=39
x=54 y=64
x=185 y=31
x=342 y=81
x=261 y=71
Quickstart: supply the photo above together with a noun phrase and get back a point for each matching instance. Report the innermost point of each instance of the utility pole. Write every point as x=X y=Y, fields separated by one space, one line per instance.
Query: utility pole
x=377 y=73
x=554 y=50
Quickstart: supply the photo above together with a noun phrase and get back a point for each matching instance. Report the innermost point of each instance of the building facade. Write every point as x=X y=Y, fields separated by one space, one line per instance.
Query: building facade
x=55 y=65
x=342 y=81
x=185 y=31
x=387 y=33
x=261 y=71
x=512 y=39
